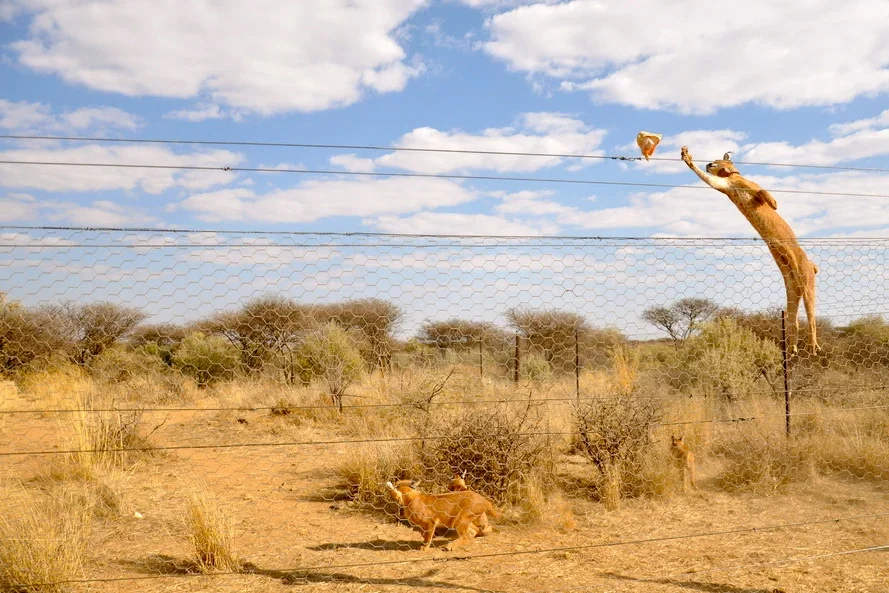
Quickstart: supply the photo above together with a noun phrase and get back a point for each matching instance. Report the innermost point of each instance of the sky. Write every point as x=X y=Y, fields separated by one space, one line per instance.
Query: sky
x=773 y=82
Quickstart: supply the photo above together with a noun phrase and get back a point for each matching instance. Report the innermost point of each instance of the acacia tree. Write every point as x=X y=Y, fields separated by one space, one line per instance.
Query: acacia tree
x=681 y=319
x=263 y=329
x=27 y=338
x=460 y=333
x=551 y=331
x=90 y=329
x=375 y=320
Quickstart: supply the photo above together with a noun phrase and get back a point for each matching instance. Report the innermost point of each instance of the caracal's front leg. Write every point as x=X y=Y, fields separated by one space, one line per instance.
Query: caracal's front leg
x=717 y=183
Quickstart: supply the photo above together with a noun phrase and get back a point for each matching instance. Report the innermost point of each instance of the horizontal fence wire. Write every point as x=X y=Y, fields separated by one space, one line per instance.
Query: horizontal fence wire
x=378 y=148
x=399 y=174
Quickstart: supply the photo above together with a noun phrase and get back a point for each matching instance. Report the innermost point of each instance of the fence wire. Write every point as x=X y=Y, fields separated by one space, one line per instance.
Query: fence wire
x=208 y=403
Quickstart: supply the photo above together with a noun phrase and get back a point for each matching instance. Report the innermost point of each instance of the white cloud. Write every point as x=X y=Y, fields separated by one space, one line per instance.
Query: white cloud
x=23 y=207
x=16 y=207
x=314 y=200
x=93 y=117
x=99 y=213
x=8 y=10
x=266 y=56
x=83 y=179
x=537 y=133
x=705 y=212
x=201 y=112
x=530 y=203
x=24 y=116
x=783 y=55
x=861 y=124
x=352 y=162
x=449 y=223
x=852 y=141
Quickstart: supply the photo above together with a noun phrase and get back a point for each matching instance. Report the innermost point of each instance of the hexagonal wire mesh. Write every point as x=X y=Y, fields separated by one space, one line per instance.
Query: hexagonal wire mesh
x=305 y=408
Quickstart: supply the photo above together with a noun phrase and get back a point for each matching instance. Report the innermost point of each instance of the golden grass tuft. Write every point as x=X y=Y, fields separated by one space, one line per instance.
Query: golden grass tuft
x=43 y=541
x=366 y=472
x=102 y=437
x=212 y=534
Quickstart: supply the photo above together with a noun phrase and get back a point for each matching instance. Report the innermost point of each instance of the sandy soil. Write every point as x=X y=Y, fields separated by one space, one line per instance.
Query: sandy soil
x=296 y=530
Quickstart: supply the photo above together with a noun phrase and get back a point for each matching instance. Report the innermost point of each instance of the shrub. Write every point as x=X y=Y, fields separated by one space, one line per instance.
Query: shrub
x=119 y=364
x=763 y=464
x=613 y=433
x=505 y=455
x=329 y=354
x=212 y=534
x=207 y=359
x=536 y=369
x=374 y=320
x=728 y=360
x=27 y=338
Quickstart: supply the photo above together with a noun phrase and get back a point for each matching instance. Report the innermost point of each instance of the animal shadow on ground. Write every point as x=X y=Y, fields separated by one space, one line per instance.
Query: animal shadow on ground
x=161 y=564
x=377 y=545
x=694 y=585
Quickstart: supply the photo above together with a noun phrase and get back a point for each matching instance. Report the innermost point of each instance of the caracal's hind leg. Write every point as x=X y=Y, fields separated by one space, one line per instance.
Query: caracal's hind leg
x=809 y=300
x=466 y=531
x=794 y=295
x=484 y=528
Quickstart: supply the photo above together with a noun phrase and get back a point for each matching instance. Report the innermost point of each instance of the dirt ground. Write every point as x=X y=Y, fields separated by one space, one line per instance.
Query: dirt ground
x=297 y=531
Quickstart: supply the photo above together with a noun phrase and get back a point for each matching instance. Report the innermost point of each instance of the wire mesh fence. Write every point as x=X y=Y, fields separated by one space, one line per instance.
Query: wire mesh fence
x=247 y=411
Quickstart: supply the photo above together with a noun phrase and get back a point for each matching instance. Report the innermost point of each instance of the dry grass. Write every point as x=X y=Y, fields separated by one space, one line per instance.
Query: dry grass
x=366 y=472
x=102 y=437
x=212 y=534
x=44 y=542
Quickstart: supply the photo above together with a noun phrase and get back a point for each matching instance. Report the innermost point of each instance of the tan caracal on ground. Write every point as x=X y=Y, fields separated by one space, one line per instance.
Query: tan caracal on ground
x=465 y=512
x=684 y=460
x=760 y=209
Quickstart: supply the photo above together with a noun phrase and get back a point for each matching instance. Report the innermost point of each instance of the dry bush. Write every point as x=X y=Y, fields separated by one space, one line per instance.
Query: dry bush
x=505 y=453
x=613 y=433
x=212 y=534
x=763 y=463
x=42 y=541
x=28 y=339
x=729 y=361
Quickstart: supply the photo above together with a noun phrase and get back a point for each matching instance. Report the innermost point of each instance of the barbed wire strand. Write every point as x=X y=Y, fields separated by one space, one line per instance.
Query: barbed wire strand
x=295 y=571
x=373 y=147
x=832 y=391
x=147 y=449
x=308 y=171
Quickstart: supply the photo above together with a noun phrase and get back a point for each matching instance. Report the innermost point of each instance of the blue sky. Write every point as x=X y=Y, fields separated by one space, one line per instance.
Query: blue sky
x=775 y=82
x=575 y=77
